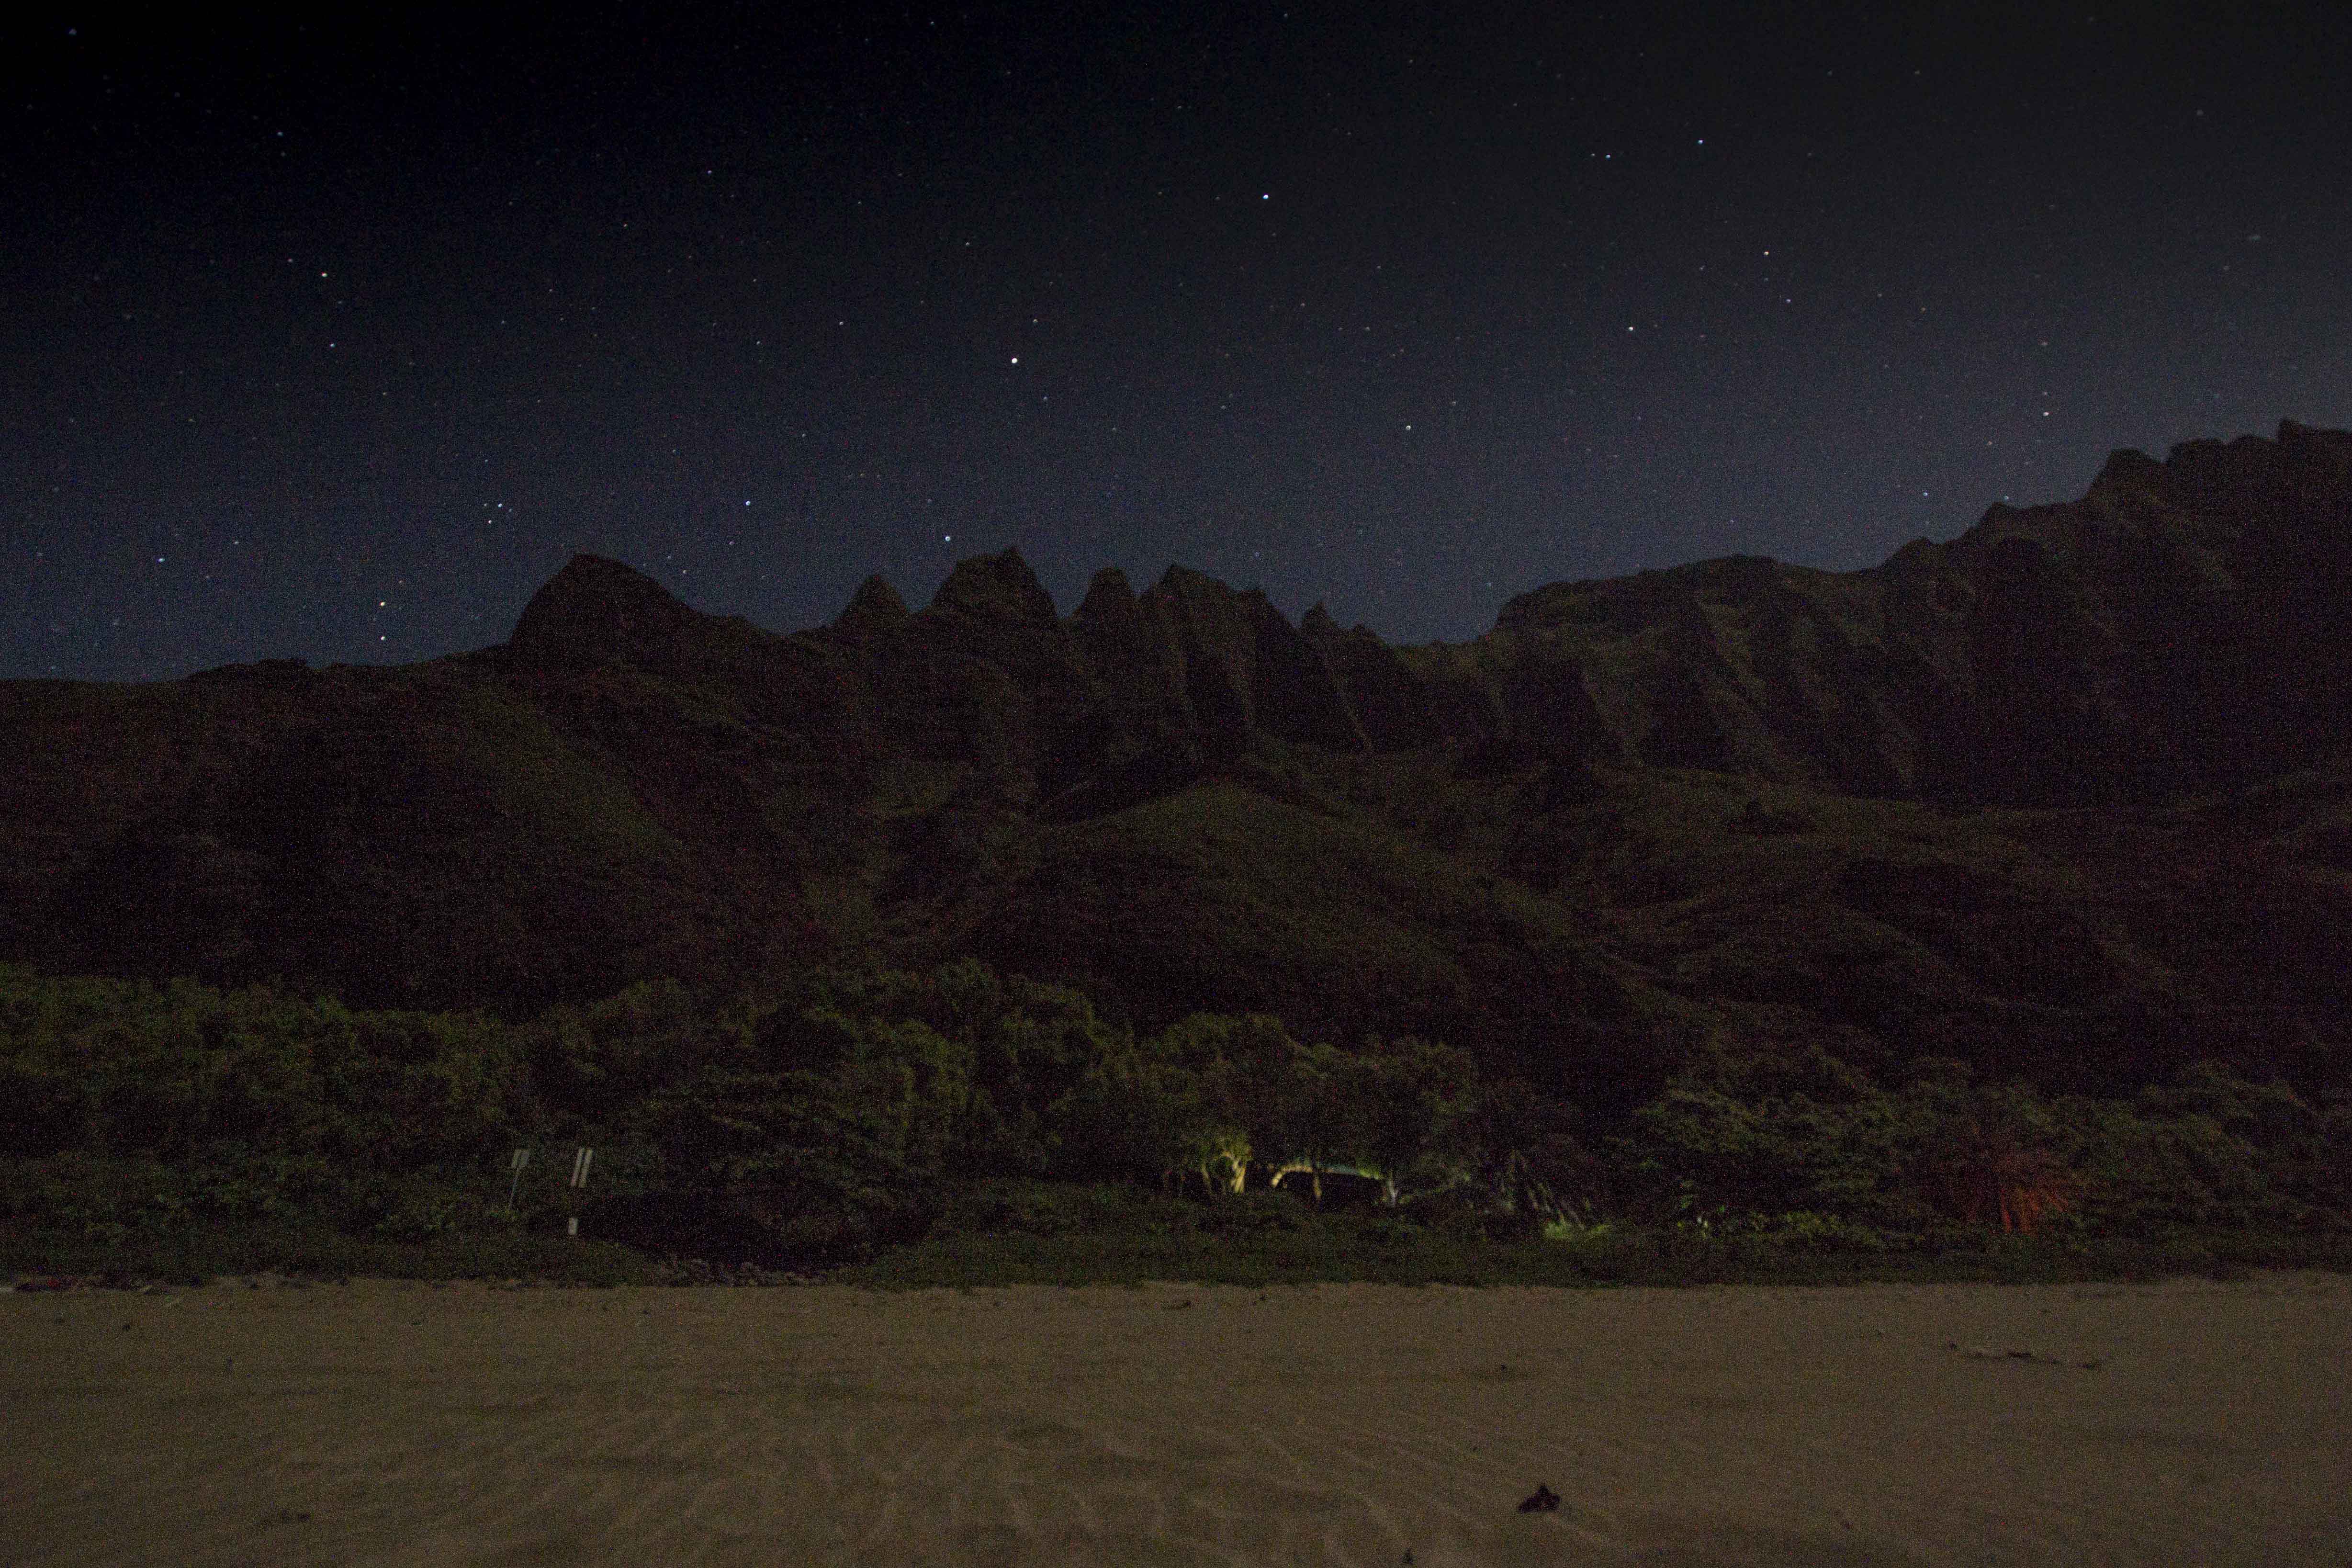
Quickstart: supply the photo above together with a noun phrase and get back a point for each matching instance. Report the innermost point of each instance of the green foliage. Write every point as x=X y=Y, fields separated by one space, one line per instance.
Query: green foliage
x=2208 y=1149
x=591 y=1062
x=173 y=1072
x=1806 y=1135
x=849 y=1111
x=2215 y=1150
x=314 y=1252
x=1417 y=1098
x=1002 y=1205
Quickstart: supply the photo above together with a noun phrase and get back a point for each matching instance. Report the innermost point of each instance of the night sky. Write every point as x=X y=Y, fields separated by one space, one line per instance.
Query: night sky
x=336 y=341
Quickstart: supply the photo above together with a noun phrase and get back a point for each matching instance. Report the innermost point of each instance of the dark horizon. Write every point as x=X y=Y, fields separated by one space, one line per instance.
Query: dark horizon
x=336 y=344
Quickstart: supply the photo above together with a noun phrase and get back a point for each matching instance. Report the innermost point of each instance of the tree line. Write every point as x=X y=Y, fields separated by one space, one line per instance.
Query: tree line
x=843 y=1107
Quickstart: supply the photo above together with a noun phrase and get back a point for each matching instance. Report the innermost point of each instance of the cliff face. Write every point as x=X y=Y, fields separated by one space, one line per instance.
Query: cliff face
x=1560 y=839
x=2181 y=626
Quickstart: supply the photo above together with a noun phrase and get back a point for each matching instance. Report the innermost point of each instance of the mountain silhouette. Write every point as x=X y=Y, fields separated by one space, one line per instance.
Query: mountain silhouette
x=2066 y=796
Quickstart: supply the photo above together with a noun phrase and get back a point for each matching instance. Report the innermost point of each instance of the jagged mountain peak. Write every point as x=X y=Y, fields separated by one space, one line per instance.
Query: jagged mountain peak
x=2311 y=443
x=999 y=586
x=1182 y=581
x=875 y=607
x=1110 y=599
x=2128 y=468
x=2178 y=624
x=598 y=609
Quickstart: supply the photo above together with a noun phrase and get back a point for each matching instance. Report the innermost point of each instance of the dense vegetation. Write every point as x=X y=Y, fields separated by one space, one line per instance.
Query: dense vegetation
x=823 y=1122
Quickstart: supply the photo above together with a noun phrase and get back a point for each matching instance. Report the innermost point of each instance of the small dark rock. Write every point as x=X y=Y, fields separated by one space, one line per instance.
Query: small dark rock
x=1544 y=1500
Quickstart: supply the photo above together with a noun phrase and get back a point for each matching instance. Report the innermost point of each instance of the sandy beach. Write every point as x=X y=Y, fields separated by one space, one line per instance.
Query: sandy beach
x=396 y=1423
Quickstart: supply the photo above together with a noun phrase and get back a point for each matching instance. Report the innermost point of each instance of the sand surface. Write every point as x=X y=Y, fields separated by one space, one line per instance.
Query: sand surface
x=391 y=1423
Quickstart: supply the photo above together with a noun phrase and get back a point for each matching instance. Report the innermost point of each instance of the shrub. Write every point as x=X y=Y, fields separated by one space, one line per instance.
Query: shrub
x=1262 y=1212
x=1005 y=1206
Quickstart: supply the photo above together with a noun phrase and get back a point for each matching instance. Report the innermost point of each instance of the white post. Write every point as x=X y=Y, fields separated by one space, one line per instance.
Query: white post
x=580 y=1160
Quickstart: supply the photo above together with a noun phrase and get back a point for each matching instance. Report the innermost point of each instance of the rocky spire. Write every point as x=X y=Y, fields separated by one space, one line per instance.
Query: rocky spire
x=874 y=608
x=597 y=610
x=999 y=586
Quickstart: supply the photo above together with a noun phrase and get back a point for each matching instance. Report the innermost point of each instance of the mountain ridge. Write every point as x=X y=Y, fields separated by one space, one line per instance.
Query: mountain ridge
x=2046 y=649
x=1734 y=799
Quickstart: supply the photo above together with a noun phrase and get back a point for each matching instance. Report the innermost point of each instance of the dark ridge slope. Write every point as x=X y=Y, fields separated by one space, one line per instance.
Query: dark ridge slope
x=2182 y=627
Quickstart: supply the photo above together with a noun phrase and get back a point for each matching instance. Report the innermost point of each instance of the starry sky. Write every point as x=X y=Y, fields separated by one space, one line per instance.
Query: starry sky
x=334 y=341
